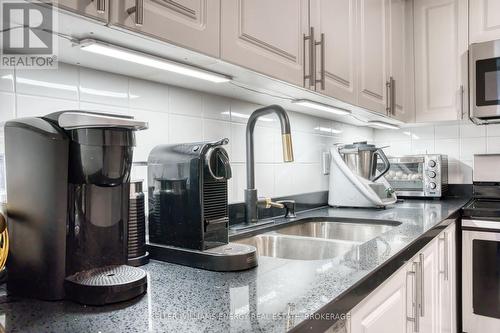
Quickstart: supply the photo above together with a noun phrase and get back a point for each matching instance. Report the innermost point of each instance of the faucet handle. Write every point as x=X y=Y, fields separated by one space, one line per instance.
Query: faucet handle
x=268 y=203
x=289 y=206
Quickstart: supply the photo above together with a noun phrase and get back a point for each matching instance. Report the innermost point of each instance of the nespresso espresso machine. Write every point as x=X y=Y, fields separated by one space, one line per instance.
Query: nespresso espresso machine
x=188 y=208
x=68 y=179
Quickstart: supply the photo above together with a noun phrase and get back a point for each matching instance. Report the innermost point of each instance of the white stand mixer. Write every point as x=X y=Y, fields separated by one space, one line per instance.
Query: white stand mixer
x=354 y=181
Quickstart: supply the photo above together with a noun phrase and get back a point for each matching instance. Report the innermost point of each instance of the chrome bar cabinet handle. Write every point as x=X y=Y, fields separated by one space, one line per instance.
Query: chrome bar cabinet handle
x=387 y=98
x=321 y=80
x=138 y=9
x=101 y=6
x=421 y=284
x=310 y=40
x=414 y=305
x=393 y=96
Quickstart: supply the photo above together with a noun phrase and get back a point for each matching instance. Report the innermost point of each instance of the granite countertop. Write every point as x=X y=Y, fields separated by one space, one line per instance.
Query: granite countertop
x=276 y=296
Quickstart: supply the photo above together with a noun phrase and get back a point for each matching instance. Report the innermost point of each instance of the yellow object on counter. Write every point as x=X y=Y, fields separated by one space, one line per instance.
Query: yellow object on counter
x=4 y=241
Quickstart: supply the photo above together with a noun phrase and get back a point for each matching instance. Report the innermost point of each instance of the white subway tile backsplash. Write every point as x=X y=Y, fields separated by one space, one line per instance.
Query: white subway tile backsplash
x=237 y=141
x=148 y=95
x=471 y=146
x=185 y=102
x=304 y=123
x=264 y=141
x=216 y=107
x=156 y=134
x=420 y=146
x=34 y=106
x=7 y=80
x=184 y=129
x=396 y=148
x=241 y=111
x=214 y=130
x=307 y=178
x=103 y=88
x=177 y=115
x=283 y=179
x=8 y=106
x=450 y=147
x=238 y=181
x=493 y=145
x=264 y=179
x=307 y=147
x=493 y=130
x=447 y=131
x=97 y=107
x=470 y=130
x=60 y=83
x=422 y=133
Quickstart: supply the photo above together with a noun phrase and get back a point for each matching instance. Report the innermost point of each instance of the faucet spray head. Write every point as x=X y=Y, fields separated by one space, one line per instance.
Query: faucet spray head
x=287 y=147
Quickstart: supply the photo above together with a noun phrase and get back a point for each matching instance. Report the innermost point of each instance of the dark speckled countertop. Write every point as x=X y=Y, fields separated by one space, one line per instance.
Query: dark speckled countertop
x=276 y=296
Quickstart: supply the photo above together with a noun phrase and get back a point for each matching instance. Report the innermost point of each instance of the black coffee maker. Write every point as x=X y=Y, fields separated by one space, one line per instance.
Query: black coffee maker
x=68 y=177
x=188 y=207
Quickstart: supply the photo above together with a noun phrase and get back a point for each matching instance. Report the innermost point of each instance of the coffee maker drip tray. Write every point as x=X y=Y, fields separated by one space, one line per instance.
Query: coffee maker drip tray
x=225 y=258
x=105 y=285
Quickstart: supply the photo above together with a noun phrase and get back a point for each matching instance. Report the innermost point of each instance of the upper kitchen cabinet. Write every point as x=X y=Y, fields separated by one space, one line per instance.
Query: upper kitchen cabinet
x=372 y=54
x=440 y=59
x=484 y=21
x=193 y=24
x=96 y=9
x=335 y=20
x=401 y=77
x=266 y=36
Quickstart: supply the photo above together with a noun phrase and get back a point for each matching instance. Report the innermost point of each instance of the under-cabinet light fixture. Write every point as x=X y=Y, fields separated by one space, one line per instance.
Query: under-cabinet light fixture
x=320 y=106
x=382 y=124
x=113 y=51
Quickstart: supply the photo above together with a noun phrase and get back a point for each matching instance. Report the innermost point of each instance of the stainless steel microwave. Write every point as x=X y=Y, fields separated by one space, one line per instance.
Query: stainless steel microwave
x=423 y=175
x=484 y=77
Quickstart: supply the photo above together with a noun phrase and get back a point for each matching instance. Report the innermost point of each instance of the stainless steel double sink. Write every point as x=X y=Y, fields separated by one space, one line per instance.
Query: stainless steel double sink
x=317 y=239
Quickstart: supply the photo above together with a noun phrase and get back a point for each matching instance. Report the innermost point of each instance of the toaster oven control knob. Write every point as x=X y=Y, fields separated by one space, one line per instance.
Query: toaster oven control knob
x=432 y=163
x=432 y=185
x=431 y=174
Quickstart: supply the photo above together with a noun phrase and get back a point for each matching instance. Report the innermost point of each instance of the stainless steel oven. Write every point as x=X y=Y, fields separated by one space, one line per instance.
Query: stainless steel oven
x=418 y=175
x=481 y=275
x=484 y=76
x=481 y=249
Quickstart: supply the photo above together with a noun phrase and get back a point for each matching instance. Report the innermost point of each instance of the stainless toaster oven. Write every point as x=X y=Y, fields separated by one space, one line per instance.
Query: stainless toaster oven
x=419 y=175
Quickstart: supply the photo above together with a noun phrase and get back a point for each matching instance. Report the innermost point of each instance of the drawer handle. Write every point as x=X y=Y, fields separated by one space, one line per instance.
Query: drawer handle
x=138 y=9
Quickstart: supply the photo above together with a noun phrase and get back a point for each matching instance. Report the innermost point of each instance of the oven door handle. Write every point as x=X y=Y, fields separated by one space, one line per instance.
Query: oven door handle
x=481 y=224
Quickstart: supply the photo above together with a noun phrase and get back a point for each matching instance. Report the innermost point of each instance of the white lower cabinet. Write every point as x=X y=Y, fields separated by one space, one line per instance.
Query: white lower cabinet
x=419 y=297
x=384 y=310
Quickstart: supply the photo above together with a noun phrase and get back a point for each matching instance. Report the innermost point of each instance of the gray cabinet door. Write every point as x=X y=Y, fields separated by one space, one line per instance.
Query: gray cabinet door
x=372 y=54
x=192 y=24
x=440 y=59
x=401 y=59
x=336 y=19
x=266 y=36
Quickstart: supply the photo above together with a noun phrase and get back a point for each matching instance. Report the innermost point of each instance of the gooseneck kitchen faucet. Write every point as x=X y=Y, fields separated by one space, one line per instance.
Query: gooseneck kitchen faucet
x=251 y=201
